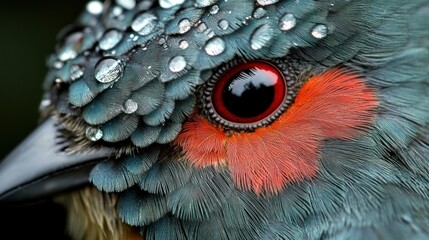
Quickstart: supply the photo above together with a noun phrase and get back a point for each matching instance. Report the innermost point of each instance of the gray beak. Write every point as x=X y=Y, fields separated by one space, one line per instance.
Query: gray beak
x=38 y=167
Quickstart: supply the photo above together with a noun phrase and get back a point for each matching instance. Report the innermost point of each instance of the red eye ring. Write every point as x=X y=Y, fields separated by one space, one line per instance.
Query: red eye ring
x=247 y=95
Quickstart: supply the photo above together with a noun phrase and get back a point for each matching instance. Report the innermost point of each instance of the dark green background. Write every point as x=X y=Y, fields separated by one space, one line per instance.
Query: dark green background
x=28 y=31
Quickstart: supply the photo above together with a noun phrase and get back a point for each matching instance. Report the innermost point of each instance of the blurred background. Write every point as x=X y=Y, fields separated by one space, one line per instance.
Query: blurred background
x=28 y=30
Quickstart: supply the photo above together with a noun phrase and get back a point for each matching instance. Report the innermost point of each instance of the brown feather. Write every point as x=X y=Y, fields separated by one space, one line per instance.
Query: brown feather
x=92 y=215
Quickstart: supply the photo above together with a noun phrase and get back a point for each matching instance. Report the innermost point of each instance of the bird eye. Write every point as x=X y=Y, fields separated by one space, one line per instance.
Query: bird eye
x=247 y=95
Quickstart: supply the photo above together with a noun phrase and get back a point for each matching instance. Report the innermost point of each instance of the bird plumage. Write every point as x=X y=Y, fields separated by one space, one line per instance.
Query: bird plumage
x=347 y=157
x=92 y=214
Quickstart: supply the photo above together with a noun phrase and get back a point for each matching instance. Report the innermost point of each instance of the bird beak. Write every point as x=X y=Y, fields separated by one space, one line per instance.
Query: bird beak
x=39 y=167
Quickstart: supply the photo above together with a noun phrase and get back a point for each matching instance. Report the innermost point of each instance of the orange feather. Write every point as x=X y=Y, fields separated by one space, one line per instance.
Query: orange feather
x=336 y=104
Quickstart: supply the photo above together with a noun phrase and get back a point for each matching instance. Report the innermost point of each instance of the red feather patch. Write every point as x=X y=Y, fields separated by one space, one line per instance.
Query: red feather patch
x=333 y=105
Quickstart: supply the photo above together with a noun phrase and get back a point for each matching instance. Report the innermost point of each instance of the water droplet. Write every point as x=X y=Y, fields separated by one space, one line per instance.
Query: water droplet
x=161 y=41
x=44 y=104
x=223 y=24
x=71 y=46
x=201 y=27
x=177 y=64
x=76 y=72
x=117 y=11
x=183 y=44
x=110 y=39
x=261 y=37
x=170 y=3
x=266 y=2
x=407 y=219
x=215 y=46
x=130 y=106
x=210 y=34
x=204 y=3
x=214 y=9
x=287 y=22
x=108 y=70
x=144 y=23
x=259 y=12
x=127 y=4
x=184 y=25
x=319 y=31
x=94 y=7
x=93 y=134
x=58 y=64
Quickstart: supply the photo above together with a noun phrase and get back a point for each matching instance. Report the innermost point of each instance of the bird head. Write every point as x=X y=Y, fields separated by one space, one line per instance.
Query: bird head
x=236 y=119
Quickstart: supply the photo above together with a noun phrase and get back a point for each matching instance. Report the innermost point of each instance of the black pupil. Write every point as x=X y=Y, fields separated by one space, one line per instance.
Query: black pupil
x=249 y=93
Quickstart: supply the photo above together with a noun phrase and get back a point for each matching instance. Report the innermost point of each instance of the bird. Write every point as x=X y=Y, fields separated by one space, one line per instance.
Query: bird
x=244 y=119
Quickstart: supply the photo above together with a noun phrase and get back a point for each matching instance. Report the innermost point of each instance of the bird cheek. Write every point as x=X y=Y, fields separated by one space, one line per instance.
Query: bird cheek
x=202 y=143
x=270 y=158
x=336 y=104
